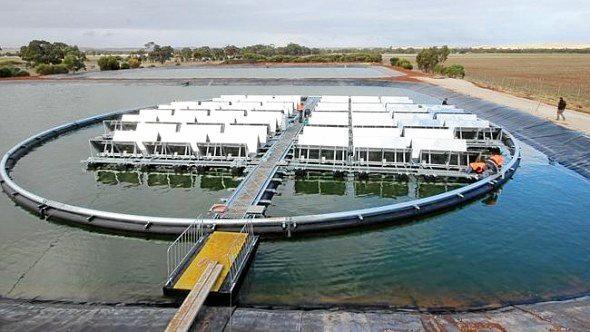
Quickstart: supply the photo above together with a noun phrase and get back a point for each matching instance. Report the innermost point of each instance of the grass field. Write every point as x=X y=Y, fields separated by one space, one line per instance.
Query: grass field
x=11 y=61
x=542 y=77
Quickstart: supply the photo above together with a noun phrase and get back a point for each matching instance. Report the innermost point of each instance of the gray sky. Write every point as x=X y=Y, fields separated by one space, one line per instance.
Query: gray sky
x=131 y=23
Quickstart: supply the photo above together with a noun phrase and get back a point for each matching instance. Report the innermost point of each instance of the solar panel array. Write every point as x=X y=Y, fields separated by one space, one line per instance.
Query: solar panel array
x=386 y=123
x=229 y=120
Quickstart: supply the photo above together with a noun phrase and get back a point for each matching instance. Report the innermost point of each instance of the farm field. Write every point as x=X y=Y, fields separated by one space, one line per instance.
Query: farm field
x=542 y=77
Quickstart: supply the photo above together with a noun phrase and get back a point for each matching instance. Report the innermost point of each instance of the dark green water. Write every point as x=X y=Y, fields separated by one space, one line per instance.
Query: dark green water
x=532 y=244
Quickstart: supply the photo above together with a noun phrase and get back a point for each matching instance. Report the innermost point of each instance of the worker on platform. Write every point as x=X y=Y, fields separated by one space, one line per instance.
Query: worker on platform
x=445 y=101
x=561 y=108
x=488 y=167
x=300 y=112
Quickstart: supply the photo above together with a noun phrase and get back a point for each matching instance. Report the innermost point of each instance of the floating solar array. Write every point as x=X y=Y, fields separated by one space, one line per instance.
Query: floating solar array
x=231 y=126
x=392 y=131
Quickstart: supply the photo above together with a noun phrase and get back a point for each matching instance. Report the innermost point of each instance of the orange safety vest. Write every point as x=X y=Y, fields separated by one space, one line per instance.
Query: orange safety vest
x=478 y=167
x=497 y=159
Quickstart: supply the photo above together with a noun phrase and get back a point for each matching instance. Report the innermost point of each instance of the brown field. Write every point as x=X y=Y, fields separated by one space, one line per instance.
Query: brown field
x=542 y=77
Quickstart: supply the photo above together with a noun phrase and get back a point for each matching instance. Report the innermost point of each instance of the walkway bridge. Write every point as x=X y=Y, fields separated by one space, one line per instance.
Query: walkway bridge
x=206 y=266
x=247 y=199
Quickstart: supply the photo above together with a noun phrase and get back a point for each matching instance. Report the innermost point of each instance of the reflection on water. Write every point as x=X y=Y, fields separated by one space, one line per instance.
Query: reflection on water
x=331 y=193
x=384 y=188
x=431 y=189
x=214 y=180
x=320 y=186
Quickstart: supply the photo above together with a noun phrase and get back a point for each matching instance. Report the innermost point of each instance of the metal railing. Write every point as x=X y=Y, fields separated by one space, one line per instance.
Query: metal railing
x=238 y=251
x=182 y=248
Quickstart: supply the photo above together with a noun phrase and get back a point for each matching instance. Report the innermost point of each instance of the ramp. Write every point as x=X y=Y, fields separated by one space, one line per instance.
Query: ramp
x=219 y=248
x=196 y=248
x=186 y=314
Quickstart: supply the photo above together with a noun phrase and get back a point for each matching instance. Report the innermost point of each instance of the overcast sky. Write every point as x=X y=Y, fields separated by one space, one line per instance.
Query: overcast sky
x=333 y=23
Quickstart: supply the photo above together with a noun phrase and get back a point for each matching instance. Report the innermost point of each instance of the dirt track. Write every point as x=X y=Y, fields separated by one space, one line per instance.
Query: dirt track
x=574 y=120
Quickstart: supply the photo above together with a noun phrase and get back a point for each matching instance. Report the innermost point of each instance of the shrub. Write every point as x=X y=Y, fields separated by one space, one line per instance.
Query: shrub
x=455 y=71
x=394 y=61
x=10 y=62
x=134 y=62
x=253 y=57
x=362 y=57
x=60 y=69
x=5 y=72
x=439 y=69
x=124 y=65
x=405 y=63
x=44 y=69
x=282 y=58
x=20 y=73
x=108 y=62
x=74 y=62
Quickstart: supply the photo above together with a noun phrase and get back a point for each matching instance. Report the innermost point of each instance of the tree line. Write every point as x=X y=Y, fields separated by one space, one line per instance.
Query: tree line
x=52 y=58
x=292 y=52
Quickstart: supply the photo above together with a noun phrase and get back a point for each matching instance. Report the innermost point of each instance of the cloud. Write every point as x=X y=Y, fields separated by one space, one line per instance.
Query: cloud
x=315 y=23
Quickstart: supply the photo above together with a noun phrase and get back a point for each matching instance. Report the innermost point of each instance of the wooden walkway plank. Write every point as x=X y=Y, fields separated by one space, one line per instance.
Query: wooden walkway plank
x=186 y=314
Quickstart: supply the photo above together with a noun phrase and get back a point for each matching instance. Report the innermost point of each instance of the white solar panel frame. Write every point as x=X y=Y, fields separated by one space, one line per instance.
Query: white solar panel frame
x=329 y=119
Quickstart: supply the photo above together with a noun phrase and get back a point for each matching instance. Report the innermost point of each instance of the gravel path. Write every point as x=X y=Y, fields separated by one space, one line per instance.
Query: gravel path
x=575 y=120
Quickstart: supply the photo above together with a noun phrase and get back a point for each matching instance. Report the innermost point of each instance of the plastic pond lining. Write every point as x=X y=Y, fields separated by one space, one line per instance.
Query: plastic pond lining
x=53 y=210
x=568 y=147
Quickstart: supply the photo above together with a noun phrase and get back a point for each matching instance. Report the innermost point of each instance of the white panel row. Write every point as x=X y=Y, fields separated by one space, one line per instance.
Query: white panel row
x=366 y=99
x=253 y=136
x=367 y=119
x=416 y=139
x=283 y=106
x=275 y=120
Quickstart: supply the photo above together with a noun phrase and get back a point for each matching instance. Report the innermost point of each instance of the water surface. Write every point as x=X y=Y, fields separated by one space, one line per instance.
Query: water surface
x=249 y=72
x=530 y=241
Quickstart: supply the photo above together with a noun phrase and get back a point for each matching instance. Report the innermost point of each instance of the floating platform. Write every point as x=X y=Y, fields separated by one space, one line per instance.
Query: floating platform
x=342 y=134
x=195 y=250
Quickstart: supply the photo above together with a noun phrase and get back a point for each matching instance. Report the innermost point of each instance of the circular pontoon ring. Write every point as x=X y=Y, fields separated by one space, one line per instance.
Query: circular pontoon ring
x=54 y=210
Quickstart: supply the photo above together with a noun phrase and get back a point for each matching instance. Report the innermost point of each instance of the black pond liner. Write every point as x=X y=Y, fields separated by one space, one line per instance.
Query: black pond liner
x=568 y=147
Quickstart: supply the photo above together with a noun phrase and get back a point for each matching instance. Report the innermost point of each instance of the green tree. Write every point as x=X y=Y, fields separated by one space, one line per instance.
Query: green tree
x=39 y=51
x=231 y=51
x=202 y=53
x=295 y=49
x=217 y=53
x=43 y=52
x=266 y=50
x=160 y=53
x=185 y=54
x=429 y=58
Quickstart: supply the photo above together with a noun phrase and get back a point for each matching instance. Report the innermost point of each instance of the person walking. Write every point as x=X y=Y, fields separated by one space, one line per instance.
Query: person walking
x=445 y=101
x=561 y=108
x=300 y=112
